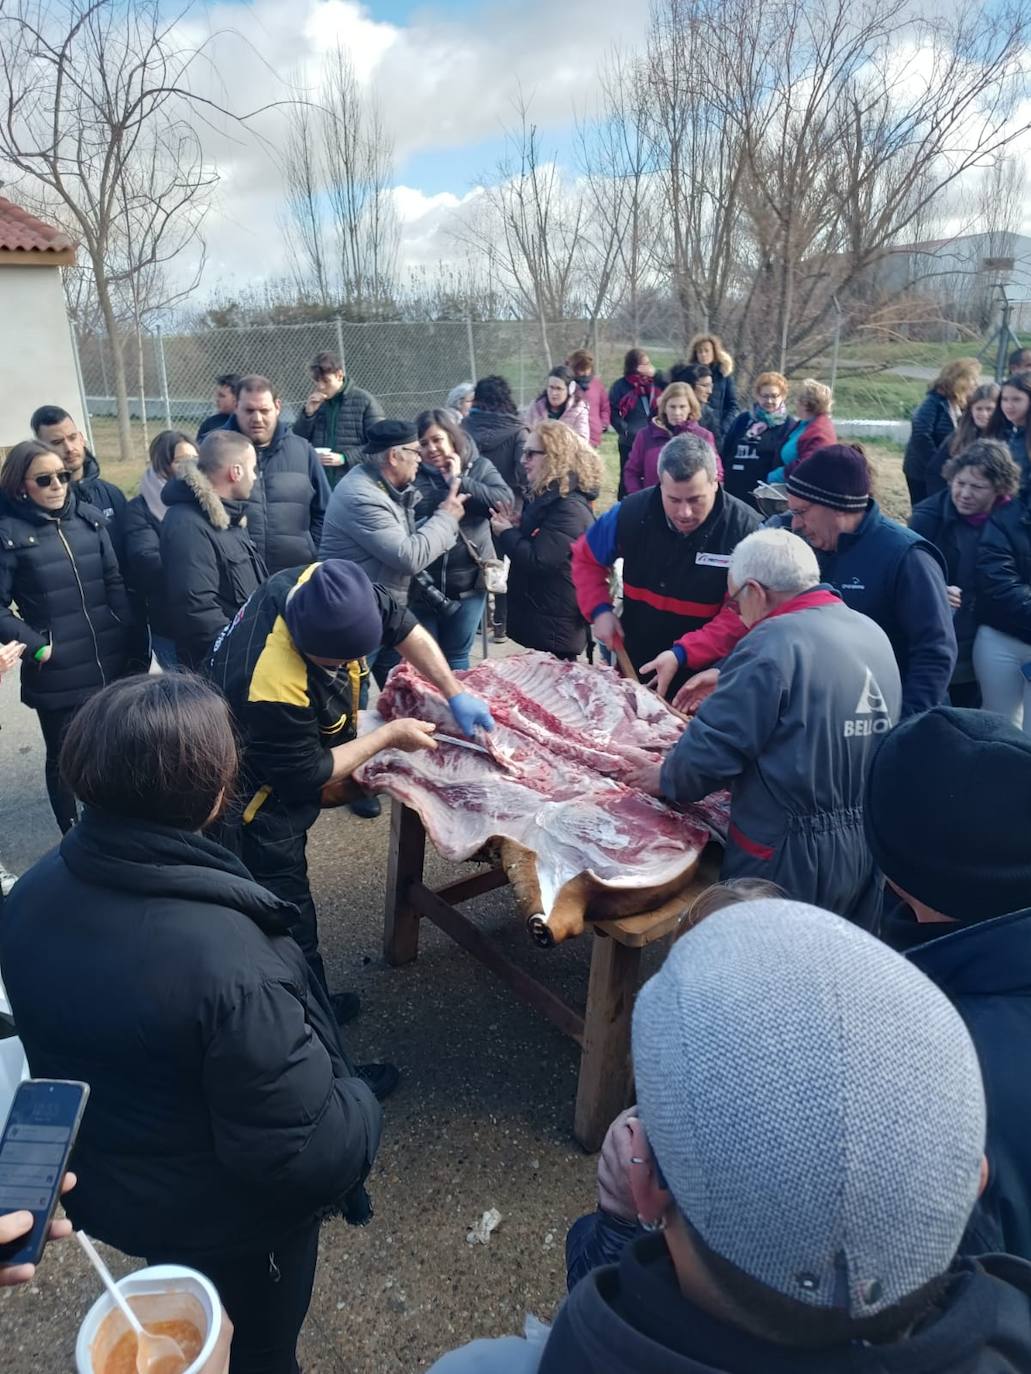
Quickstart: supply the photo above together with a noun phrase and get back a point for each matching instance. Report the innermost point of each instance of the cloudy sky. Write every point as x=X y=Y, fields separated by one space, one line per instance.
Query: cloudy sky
x=447 y=76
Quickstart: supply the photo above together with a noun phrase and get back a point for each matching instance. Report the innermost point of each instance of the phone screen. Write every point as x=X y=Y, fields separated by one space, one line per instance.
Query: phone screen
x=34 y=1149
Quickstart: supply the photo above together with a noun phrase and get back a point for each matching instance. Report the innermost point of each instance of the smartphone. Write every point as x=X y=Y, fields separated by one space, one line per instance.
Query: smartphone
x=38 y=1138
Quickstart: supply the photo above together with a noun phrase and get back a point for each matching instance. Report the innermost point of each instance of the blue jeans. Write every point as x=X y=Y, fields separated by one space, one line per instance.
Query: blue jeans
x=455 y=633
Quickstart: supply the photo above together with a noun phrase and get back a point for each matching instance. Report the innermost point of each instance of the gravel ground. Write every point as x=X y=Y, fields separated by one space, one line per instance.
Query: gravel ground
x=482 y=1119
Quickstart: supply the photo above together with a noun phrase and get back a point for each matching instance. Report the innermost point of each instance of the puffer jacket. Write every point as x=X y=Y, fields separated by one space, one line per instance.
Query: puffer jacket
x=575 y=415
x=223 y=1113
x=1004 y=570
x=209 y=566
x=723 y=400
x=594 y=395
x=143 y=553
x=542 y=609
x=932 y=425
x=288 y=504
x=62 y=573
x=108 y=499
x=500 y=438
x=341 y=424
x=374 y=525
x=457 y=572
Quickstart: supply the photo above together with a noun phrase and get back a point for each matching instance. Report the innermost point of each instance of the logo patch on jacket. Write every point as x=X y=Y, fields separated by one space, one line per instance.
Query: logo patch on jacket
x=871 y=715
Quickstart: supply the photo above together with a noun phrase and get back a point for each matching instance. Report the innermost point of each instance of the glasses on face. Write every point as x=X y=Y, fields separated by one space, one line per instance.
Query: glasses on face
x=411 y=448
x=47 y=479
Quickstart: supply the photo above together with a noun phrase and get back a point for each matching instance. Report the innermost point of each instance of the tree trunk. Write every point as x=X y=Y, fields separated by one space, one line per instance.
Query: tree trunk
x=118 y=361
x=142 y=374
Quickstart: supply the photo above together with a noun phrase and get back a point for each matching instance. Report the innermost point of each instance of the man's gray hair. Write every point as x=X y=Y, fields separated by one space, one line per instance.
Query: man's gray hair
x=685 y=455
x=777 y=560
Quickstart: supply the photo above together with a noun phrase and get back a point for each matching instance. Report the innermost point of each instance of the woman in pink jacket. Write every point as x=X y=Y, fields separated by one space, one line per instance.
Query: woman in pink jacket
x=678 y=413
x=593 y=392
x=560 y=400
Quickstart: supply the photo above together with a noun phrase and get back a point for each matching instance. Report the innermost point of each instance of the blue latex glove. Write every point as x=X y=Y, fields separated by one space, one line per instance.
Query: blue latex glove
x=471 y=713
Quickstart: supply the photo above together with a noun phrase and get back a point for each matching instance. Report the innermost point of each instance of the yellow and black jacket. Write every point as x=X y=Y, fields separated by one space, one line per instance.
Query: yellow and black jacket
x=289 y=711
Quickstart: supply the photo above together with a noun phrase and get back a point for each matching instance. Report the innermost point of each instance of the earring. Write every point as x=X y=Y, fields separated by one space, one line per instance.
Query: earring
x=25 y=496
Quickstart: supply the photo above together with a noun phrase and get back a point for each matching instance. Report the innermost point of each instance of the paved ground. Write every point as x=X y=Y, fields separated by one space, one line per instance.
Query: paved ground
x=481 y=1120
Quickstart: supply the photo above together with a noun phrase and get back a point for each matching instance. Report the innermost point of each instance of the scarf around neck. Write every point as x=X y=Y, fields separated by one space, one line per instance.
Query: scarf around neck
x=982 y=519
x=641 y=388
x=150 y=489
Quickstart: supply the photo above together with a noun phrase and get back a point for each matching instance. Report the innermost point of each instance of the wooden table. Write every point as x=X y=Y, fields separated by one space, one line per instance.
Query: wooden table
x=602 y=1030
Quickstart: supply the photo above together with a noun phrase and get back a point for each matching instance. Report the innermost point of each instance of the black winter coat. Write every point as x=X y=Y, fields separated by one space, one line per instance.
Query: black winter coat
x=63 y=575
x=222 y=1113
x=108 y=499
x=746 y=461
x=932 y=425
x=143 y=565
x=289 y=500
x=542 y=609
x=209 y=565
x=639 y=417
x=941 y=524
x=456 y=573
x=1004 y=570
x=501 y=439
x=341 y=423
x=722 y=402
x=985 y=970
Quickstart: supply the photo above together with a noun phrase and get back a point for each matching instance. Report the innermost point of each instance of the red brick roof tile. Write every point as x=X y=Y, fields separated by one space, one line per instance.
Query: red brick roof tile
x=20 y=231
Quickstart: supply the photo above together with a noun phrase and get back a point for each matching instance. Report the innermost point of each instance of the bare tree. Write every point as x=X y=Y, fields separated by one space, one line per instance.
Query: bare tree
x=97 y=115
x=340 y=217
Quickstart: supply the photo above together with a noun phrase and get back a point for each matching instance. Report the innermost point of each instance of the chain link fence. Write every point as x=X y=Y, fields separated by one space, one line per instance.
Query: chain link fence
x=408 y=366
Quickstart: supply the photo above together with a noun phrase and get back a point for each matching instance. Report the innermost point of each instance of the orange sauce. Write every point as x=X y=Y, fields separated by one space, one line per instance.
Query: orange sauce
x=122 y=1359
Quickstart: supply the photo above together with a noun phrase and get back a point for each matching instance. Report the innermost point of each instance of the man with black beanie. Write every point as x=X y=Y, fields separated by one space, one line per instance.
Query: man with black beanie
x=291 y=665
x=948 y=814
x=877 y=566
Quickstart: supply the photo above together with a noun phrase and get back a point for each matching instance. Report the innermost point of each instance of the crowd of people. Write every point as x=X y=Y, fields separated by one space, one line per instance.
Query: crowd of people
x=828 y=1164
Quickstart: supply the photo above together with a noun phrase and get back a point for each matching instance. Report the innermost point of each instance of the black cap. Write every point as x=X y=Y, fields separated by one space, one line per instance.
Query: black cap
x=386 y=434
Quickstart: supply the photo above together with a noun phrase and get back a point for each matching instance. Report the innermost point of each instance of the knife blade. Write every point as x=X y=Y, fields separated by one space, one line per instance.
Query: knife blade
x=463 y=744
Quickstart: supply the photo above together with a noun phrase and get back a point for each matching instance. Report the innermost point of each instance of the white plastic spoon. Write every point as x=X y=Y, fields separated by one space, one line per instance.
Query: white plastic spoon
x=154 y=1354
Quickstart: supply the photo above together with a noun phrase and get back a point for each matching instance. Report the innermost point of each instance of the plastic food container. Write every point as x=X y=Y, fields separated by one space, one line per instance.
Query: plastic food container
x=166 y=1292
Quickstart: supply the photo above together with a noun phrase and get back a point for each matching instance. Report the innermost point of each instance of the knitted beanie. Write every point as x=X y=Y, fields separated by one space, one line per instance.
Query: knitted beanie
x=948 y=812
x=335 y=614
x=835 y=476
x=795 y=1092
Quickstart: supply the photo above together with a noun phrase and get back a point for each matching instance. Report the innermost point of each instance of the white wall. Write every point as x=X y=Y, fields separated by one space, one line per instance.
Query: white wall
x=36 y=362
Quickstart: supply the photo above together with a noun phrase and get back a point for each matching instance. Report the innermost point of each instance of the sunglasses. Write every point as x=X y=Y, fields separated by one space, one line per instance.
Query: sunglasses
x=47 y=479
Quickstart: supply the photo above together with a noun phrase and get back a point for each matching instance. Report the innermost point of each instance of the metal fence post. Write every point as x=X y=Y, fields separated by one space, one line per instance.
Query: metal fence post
x=472 y=349
x=82 y=387
x=163 y=377
x=340 y=344
x=837 y=342
x=522 y=366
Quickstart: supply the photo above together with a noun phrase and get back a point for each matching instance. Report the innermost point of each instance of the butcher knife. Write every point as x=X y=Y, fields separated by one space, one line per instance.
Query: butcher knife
x=464 y=744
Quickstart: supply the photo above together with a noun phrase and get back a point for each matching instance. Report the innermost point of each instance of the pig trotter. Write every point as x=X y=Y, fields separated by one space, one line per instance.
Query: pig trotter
x=540 y=932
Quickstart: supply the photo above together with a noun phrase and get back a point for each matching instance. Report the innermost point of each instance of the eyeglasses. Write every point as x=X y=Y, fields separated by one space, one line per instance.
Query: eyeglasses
x=46 y=479
x=410 y=448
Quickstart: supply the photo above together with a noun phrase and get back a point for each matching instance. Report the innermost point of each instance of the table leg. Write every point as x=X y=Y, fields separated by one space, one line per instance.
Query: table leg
x=604 y=1086
x=404 y=867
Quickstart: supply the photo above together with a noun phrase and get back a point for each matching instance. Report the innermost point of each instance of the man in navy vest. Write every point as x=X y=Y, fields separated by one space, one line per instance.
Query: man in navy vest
x=877 y=567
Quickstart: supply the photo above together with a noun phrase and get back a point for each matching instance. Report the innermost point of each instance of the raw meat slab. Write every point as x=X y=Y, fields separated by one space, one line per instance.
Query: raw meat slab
x=556 y=783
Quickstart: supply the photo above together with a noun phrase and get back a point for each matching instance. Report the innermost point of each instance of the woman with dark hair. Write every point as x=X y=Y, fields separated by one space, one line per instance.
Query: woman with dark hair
x=592 y=392
x=560 y=400
x=564 y=477
x=708 y=350
x=457 y=576
x=973 y=425
x=934 y=420
x=633 y=401
x=700 y=379
x=224 y=1119
x=143 y=517
x=1012 y=421
x=981 y=479
x=58 y=566
x=496 y=429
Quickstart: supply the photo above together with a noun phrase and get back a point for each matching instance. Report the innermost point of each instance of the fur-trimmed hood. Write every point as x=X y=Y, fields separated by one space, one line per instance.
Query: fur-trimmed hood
x=190 y=484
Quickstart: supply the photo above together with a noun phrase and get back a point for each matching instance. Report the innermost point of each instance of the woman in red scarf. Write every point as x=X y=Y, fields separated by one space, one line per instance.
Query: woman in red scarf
x=633 y=400
x=981 y=480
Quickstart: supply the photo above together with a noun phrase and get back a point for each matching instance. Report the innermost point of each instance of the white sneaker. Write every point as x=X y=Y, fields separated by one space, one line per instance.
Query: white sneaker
x=7 y=880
